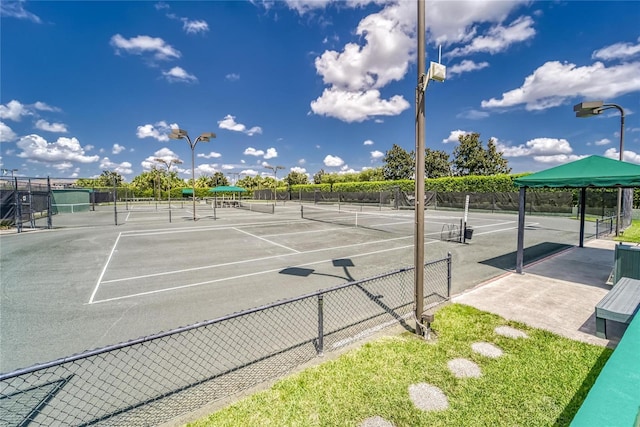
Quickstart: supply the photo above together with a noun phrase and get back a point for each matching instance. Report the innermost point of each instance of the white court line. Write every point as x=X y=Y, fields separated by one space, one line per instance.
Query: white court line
x=262 y=259
x=226 y=264
x=208 y=282
x=160 y=231
x=104 y=270
x=127 y=218
x=266 y=240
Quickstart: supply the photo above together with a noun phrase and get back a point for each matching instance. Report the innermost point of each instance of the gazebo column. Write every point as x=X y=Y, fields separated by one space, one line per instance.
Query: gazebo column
x=583 y=209
x=521 y=213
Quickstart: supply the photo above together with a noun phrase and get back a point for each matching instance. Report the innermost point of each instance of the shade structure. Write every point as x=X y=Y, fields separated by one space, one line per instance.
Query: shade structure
x=188 y=191
x=227 y=189
x=592 y=171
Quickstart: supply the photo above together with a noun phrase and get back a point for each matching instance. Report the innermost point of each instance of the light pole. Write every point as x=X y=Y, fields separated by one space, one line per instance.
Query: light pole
x=594 y=108
x=205 y=137
x=168 y=164
x=5 y=171
x=275 y=170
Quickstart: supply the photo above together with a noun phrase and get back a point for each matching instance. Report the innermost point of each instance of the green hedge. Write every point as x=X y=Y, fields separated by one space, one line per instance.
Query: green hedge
x=478 y=184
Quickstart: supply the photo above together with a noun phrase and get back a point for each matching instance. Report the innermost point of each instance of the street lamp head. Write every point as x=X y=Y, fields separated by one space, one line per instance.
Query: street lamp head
x=588 y=109
x=209 y=135
x=181 y=133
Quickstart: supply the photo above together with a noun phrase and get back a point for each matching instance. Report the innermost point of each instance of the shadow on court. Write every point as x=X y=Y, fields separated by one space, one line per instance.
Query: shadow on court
x=531 y=254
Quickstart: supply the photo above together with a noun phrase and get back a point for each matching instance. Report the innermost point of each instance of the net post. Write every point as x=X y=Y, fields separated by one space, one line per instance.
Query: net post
x=49 y=205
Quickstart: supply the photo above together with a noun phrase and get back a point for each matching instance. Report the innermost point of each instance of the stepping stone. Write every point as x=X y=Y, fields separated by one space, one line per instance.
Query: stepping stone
x=487 y=349
x=427 y=397
x=464 y=368
x=509 y=332
x=376 y=422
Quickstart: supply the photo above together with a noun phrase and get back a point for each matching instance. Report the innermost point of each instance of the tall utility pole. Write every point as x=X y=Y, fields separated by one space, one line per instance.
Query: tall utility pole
x=419 y=186
x=275 y=170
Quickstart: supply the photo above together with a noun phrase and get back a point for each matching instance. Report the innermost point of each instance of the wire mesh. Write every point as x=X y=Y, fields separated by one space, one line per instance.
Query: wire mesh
x=391 y=223
x=153 y=379
x=256 y=207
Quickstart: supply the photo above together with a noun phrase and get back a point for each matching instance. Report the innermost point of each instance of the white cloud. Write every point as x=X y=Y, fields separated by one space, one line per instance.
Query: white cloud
x=179 y=75
x=333 y=161
x=15 y=9
x=64 y=150
x=304 y=6
x=117 y=149
x=498 y=38
x=165 y=154
x=629 y=156
x=558 y=158
x=250 y=151
x=194 y=26
x=539 y=147
x=617 y=51
x=554 y=83
x=465 y=67
x=298 y=169
x=455 y=135
x=232 y=77
x=376 y=155
x=249 y=172
x=228 y=167
x=357 y=106
x=6 y=133
x=158 y=131
x=51 y=127
x=384 y=57
x=201 y=170
x=140 y=45
x=123 y=168
x=472 y=114
x=368 y=142
x=455 y=21
x=355 y=74
x=44 y=107
x=211 y=155
x=271 y=153
x=13 y=110
x=229 y=123
x=603 y=141
x=302 y=161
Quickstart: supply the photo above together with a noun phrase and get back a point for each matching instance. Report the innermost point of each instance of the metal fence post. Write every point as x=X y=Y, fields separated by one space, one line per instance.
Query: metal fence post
x=49 y=204
x=448 y=274
x=320 y=348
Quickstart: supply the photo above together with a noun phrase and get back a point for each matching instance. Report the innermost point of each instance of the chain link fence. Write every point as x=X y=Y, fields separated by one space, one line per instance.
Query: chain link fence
x=154 y=379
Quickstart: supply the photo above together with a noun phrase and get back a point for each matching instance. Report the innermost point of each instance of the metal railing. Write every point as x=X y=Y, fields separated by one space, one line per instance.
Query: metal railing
x=605 y=226
x=154 y=379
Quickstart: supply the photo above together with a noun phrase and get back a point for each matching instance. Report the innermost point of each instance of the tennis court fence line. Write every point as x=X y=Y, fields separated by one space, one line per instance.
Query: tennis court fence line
x=154 y=379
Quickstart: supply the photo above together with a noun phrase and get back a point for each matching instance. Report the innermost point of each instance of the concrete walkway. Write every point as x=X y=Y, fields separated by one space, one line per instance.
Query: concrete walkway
x=558 y=293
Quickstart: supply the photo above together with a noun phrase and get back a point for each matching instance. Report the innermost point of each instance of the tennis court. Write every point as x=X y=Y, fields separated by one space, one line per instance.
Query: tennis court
x=89 y=283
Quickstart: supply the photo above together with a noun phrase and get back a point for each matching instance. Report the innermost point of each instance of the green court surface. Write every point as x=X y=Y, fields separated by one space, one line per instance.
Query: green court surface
x=88 y=283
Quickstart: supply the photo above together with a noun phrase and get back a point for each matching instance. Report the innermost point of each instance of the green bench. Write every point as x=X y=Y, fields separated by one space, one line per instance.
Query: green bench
x=614 y=399
x=619 y=305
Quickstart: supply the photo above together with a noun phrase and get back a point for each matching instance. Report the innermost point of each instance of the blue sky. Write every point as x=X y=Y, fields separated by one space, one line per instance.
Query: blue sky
x=308 y=85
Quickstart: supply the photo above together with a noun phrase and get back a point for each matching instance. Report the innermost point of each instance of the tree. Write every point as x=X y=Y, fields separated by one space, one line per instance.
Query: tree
x=371 y=174
x=106 y=179
x=436 y=163
x=317 y=177
x=295 y=178
x=470 y=158
x=496 y=164
x=398 y=164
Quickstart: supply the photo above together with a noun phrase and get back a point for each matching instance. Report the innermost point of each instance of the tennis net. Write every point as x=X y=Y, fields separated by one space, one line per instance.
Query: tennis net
x=256 y=207
x=390 y=223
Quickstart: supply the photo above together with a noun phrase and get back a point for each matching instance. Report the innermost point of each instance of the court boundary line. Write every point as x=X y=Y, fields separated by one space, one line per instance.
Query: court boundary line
x=256 y=273
x=104 y=269
x=100 y=282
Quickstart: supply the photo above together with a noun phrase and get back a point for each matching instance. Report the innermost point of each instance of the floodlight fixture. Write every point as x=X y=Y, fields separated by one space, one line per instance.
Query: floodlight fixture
x=204 y=137
x=594 y=108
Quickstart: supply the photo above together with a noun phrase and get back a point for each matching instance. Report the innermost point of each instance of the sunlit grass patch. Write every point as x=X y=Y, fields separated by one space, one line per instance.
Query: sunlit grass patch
x=539 y=381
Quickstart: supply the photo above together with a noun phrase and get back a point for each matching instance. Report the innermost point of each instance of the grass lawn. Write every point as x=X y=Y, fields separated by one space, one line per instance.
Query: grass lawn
x=539 y=381
x=631 y=234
